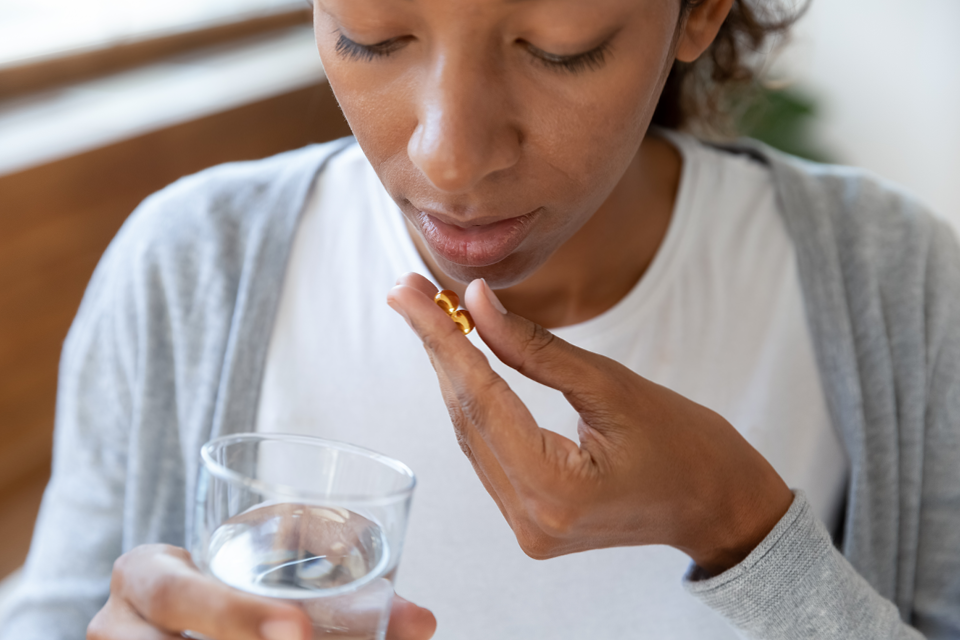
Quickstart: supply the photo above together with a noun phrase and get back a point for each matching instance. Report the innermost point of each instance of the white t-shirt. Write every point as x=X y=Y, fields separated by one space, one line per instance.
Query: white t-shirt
x=718 y=317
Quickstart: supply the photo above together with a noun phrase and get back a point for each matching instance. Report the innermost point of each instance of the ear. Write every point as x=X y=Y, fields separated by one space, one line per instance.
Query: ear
x=700 y=28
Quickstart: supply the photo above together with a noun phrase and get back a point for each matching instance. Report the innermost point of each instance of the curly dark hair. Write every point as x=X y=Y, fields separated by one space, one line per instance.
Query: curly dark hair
x=703 y=95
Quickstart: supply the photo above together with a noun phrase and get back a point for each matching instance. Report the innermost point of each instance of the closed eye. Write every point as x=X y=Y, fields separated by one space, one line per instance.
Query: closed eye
x=588 y=60
x=347 y=48
x=576 y=63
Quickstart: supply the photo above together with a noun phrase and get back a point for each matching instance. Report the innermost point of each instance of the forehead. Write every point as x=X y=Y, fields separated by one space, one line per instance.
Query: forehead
x=570 y=23
x=547 y=11
x=475 y=5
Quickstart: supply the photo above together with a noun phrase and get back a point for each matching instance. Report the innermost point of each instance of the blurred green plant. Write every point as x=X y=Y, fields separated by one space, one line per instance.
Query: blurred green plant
x=780 y=117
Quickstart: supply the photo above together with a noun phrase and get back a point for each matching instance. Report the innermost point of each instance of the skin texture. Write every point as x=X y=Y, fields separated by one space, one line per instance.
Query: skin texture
x=471 y=117
x=652 y=467
x=460 y=117
x=156 y=592
x=463 y=120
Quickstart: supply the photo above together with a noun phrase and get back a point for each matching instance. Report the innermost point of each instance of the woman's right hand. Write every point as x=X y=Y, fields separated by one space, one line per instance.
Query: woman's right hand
x=156 y=592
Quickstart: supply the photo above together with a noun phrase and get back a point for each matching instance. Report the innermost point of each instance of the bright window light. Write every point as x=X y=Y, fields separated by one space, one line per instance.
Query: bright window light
x=31 y=29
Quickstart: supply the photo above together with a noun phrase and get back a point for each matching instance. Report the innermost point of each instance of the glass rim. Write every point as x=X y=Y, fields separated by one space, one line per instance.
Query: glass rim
x=269 y=488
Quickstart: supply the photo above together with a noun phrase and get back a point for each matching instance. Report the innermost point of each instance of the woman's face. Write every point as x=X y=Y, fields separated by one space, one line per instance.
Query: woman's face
x=498 y=126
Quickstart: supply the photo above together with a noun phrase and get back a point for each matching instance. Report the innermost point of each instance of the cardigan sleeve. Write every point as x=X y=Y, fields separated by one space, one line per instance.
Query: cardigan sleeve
x=141 y=375
x=78 y=534
x=936 y=597
x=796 y=584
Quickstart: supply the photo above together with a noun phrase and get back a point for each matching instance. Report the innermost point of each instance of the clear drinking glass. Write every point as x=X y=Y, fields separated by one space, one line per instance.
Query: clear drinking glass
x=306 y=520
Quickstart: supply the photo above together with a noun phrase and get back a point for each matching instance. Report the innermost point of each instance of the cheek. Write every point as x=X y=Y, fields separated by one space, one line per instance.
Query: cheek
x=579 y=132
x=382 y=126
x=589 y=134
x=373 y=100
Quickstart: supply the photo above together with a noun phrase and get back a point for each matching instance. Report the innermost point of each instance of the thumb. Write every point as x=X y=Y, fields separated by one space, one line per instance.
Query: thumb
x=528 y=347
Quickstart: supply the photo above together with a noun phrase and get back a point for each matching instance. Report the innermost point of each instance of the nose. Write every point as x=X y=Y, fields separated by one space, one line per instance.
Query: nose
x=465 y=131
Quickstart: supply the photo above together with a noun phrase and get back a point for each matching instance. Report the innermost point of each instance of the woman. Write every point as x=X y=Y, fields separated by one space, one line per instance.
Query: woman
x=801 y=319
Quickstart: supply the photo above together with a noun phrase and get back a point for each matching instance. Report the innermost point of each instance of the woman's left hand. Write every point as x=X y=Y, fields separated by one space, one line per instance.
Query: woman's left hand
x=652 y=467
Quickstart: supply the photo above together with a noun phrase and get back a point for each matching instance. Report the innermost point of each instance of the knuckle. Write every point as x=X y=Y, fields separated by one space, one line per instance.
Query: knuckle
x=124 y=567
x=439 y=343
x=535 y=544
x=224 y=617
x=135 y=562
x=461 y=429
x=462 y=439
x=457 y=419
x=554 y=521
x=537 y=345
x=475 y=402
x=432 y=343
x=537 y=339
x=99 y=625
x=480 y=400
x=118 y=574
x=164 y=594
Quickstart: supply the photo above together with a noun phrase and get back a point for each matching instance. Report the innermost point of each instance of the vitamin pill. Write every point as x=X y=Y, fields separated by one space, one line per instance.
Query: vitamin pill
x=449 y=301
x=463 y=320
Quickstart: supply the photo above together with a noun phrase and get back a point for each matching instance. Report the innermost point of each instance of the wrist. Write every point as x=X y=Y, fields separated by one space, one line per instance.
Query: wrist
x=728 y=535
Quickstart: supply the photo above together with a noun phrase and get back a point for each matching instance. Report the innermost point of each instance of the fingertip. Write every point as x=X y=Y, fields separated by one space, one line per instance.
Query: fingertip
x=394 y=292
x=473 y=293
x=480 y=299
x=416 y=281
x=493 y=323
x=492 y=297
x=410 y=622
x=395 y=302
x=428 y=624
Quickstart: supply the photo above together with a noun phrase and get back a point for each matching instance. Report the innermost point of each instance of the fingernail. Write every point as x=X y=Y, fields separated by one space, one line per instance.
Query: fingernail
x=399 y=310
x=281 y=630
x=492 y=297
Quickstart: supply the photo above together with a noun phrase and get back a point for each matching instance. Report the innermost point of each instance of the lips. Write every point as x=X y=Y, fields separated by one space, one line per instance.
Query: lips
x=475 y=245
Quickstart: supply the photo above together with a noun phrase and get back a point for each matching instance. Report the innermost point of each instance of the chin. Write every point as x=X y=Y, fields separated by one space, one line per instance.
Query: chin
x=510 y=271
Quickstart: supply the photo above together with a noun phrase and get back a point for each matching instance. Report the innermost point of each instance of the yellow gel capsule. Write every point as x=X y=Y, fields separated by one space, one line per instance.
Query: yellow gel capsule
x=449 y=301
x=463 y=320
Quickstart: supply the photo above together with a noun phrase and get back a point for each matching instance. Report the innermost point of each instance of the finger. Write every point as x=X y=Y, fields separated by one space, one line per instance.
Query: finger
x=484 y=463
x=484 y=397
x=531 y=349
x=164 y=587
x=118 y=621
x=410 y=622
x=419 y=283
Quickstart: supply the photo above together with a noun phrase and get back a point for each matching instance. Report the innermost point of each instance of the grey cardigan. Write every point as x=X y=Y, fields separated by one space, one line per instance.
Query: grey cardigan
x=169 y=345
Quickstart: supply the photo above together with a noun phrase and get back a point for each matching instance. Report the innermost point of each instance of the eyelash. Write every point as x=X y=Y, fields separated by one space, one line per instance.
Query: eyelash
x=366 y=52
x=589 y=60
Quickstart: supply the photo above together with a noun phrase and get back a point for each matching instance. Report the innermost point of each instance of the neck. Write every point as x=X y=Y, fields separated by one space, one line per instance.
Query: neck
x=606 y=258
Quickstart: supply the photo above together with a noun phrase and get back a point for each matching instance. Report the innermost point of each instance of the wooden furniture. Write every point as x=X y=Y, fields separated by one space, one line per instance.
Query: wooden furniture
x=55 y=222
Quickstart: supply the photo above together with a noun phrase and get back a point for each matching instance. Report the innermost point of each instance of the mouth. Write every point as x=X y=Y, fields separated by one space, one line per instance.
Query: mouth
x=478 y=243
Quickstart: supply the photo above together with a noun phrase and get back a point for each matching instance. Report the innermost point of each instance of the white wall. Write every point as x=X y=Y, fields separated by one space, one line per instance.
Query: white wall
x=6 y=588
x=886 y=74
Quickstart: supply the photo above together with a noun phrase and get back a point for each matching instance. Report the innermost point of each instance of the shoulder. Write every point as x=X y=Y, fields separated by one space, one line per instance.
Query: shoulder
x=186 y=249
x=870 y=252
x=851 y=225
x=222 y=209
x=858 y=208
